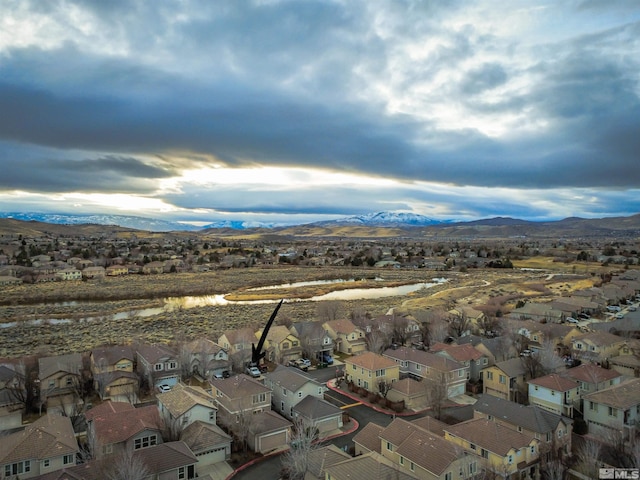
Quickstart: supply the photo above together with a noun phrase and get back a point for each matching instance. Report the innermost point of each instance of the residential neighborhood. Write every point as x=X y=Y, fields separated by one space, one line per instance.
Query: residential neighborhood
x=459 y=393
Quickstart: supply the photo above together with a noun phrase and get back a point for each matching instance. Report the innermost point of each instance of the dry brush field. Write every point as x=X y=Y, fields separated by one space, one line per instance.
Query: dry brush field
x=101 y=299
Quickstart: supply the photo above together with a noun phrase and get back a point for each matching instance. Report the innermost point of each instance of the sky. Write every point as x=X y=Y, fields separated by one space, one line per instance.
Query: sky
x=298 y=111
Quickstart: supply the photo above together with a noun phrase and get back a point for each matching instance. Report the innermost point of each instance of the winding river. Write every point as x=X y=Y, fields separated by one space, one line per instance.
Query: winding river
x=186 y=302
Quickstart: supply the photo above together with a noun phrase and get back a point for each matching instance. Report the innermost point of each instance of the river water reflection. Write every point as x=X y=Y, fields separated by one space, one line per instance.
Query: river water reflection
x=179 y=303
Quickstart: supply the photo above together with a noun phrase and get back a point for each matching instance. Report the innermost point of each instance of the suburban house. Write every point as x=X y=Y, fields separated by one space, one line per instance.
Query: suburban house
x=347 y=337
x=505 y=380
x=372 y=466
x=414 y=394
x=113 y=373
x=61 y=380
x=315 y=341
x=465 y=354
x=420 y=365
x=614 y=410
x=474 y=317
x=208 y=442
x=239 y=396
x=47 y=445
x=114 y=427
x=554 y=393
x=367 y=439
x=205 y=358
x=411 y=448
x=552 y=430
x=183 y=405
x=171 y=460
x=371 y=371
x=627 y=365
x=158 y=364
x=12 y=390
x=504 y=451
x=596 y=346
x=281 y=346
x=592 y=378
x=321 y=458
x=238 y=345
x=317 y=413
x=268 y=431
x=289 y=387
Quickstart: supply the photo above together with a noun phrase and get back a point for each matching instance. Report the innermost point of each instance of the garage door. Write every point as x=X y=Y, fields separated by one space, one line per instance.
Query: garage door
x=211 y=457
x=272 y=441
x=328 y=424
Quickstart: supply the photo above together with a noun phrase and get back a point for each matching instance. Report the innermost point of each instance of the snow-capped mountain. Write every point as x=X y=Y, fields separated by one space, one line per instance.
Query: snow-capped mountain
x=383 y=219
x=137 y=223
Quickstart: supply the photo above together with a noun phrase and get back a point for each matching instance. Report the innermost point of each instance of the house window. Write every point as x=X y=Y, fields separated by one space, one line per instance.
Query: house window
x=158 y=366
x=473 y=446
x=299 y=394
x=448 y=476
x=613 y=412
x=560 y=433
x=212 y=416
x=68 y=459
x=380 y=373
x=461 y=373
x=489 y=375
x=401 y=460
x=17 y=468
x=535 y=387
x=284 y=392
x=389 y=447
x=418 y=367
x=285 y=346
x=107 y=449
x=173 y=365
x=484 y=361
x=412 y=467
x=510 y=459
x=294 y=344
x=548 y=436
x=366 y=385
x=503 y=379
x=579 y=346
x=52 y=383
x=144 y=442
x=484 y=453
x=533 y=449
x=69 y=381
x=553 y=393
x=353 y=367
x=520 y=429
x=181 y=472
x=473 y=468
x=46 y=463
x=262 y=397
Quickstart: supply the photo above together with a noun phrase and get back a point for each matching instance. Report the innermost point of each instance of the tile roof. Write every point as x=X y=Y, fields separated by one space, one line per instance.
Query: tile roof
x=370 y=466
x=490 y=435
x=182 y=398
x=238 y=386
x=591 y=373
x=324 y=457
x=371 y=361
x=154 y=353
x=624 y=395
x=200 y=435
x=203 y=345
x=369 y=437
x=119 y=423
x=431 y=424
x=71 y=363
x=49 y=436
x=268 y=421
x=289 y=378
x=240 y=335
x=461 y=353
x=512 y=367
x=553 y=381
x=428 y=450
x=601 y=339
x=112 y=355
x=166 y=456
x=429 y=359
x=316 y=408
x=531 y=417
x=342 y=326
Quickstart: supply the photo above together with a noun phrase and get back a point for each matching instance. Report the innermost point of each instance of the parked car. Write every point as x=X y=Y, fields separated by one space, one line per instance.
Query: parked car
x=306 y=361
x=572 y=320
x=584 y=316
x=328 y=359
x=253 y=371
x=619 y=316
x=633 y=308
x=298 y=364
x=525 y=353
x=164 y=387
x=223 y=374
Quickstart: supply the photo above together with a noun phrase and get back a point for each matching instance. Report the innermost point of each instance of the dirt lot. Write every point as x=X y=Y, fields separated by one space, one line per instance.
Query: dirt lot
x=496 y=288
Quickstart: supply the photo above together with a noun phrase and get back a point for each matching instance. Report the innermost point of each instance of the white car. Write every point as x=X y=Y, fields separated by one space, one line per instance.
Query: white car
x=571 y=320
x=163 y=388
x=253 y=371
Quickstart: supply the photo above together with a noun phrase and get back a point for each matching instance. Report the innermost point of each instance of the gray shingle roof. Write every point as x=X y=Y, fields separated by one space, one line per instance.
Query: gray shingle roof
x=315 y=408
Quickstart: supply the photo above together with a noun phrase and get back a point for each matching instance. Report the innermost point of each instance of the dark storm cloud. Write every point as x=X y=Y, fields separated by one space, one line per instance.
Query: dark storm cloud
x=486 y=77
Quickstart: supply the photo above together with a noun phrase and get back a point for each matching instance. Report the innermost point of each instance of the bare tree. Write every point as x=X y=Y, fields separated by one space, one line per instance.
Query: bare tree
x=304 y=441
x=553 y=470
x=377 y=341
x=399 y=325
x=22 y=389
x=549 y=359
x=588 y=457
x=127 y=466
x=437 y=393
x=328 y=310
x=458 y=324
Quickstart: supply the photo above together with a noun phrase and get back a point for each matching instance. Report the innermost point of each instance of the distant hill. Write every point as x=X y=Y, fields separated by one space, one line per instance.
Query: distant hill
x=378 y=225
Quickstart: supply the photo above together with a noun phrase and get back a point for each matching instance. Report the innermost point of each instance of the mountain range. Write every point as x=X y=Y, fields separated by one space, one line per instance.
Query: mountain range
x=376 y=225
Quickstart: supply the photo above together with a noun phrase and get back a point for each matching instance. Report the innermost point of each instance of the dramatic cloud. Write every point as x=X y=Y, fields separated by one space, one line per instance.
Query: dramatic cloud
x=452 y=110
